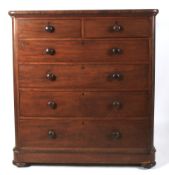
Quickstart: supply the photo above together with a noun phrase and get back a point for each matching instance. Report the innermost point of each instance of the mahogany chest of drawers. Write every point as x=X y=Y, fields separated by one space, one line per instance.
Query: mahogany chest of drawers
x=84 y=87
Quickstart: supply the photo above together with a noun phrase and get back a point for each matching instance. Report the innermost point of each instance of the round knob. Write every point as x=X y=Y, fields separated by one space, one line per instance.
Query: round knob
x=49 y=29
x=52 y=104
x=116 y=104
x=117 y=28
x=115 y=76
x=51 y=76
x=51 y=134
x=116 y=135
x=116 y=51
x=50 y=51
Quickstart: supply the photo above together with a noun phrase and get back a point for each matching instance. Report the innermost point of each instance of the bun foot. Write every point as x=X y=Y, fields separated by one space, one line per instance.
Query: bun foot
x=148 y=165
x=21 y=164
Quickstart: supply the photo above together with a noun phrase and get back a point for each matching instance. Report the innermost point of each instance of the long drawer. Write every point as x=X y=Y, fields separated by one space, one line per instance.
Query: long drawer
x=48 y=28
x=84 y=104
x=117 y=27
x=106 y=76
x=84 y=134
x=117 y=50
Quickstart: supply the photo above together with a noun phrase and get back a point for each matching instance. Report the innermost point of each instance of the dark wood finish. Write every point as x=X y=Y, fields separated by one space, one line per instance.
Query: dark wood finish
x=84 y=76
x=36 y=28
x=21 y=164
x=131 y=50
x=85 y=13
x=89 y=104
x=71 y=133
x=148 y=165
x=84 y=87
x=89 y=157
x=117 y=27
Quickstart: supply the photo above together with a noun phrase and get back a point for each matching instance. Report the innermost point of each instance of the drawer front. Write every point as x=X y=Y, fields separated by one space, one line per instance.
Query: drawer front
x=48 y=28
x=84 y=134
x=84 y=76
x=84 y=104
x=117 y=27
x=117 y=50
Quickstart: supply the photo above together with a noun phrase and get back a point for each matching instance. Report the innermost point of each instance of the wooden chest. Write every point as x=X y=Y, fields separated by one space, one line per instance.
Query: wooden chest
x=84 y=87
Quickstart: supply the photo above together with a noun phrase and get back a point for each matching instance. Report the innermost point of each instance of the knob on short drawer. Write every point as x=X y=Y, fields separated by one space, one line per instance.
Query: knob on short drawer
x=50 y=51
x=51 y=76
x=117 y=28
x=49 y=28
x=116 y=135
x=52 y=104
x=51 y=134
x=115 y=76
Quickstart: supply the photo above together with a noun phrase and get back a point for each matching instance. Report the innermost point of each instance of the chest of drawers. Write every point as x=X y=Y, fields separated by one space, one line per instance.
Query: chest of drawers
x=84 y=87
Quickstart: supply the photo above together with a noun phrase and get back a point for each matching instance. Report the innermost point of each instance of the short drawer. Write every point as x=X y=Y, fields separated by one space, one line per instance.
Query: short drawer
x=116 y=50
x=84 y=134
x=84 y=104
x=88 y=76
x=48 y=28
x=117 y=27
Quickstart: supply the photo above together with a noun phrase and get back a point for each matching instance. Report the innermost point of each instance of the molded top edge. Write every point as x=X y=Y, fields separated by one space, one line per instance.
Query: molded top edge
x=133 y=12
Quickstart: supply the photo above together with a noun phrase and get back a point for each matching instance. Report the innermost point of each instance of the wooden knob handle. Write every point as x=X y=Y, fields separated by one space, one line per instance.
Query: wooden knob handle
x=116 y=104
x=52 y=104
x=116 y=51
x=49 y=29
x=117 y=28
x=50 y=51
x=115 y=76
x=51 y=134
x=116 y=135
x=51 y=76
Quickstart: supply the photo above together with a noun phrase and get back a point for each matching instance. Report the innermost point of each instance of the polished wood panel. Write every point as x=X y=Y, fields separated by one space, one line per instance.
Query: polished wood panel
x=117 y=27
x=130 y=50
x=30 y=28
x=84 y=87
x=84 y=76
x=83 y=157
x=84 y=13
x=84 y=104
x=84 y=134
